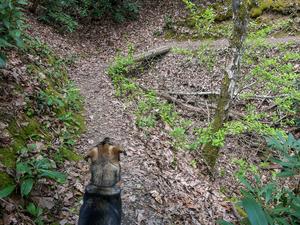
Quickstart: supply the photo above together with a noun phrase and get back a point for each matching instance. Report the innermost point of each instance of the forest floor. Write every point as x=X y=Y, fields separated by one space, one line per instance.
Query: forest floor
x=154 y=190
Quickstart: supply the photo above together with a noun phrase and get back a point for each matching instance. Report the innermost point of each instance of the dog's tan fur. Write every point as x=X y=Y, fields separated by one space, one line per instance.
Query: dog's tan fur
x=102 y=199
x=105 y=166
x=106 y=151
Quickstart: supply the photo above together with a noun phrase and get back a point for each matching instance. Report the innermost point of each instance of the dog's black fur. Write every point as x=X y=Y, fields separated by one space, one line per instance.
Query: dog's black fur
x=100 y=209
x=102 y=199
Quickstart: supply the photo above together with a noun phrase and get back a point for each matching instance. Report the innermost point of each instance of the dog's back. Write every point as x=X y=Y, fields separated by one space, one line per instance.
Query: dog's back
x=102 y=198
x=100 y=209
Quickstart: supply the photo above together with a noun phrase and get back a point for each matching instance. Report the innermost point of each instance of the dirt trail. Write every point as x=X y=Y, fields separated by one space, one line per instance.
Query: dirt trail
x=153 y=192
x=107 y=116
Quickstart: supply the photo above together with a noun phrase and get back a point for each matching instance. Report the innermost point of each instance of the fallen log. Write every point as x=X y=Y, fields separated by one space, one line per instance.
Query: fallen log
x=151 y=53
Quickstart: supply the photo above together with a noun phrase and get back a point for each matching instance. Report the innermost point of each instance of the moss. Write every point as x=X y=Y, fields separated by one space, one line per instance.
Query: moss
x=5 y=180
x=33 y=69
x=70 y=155
x=22 y=133
x=80 y=121
x=20 y=136
x=223 y=9
x=262 y=5
x=33 y=127
x=8 y=156
x=279 y=6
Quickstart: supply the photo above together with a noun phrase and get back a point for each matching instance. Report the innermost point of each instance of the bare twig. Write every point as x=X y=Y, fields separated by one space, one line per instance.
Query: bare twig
x=237 y=92
x=262 y=102
x=194 y=93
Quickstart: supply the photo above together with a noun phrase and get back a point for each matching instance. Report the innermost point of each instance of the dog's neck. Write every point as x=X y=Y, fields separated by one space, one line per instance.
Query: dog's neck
x=94 y=189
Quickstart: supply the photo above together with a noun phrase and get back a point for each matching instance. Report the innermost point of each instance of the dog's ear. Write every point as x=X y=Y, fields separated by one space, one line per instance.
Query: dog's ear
x=92 y=154
x=116 y=151
x=106 y=140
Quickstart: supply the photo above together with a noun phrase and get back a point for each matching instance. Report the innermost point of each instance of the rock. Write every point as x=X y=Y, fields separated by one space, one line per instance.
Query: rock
x=3 y=125
x=44 y=202
x=63 y=222
x=5 y=137
x=10 y=219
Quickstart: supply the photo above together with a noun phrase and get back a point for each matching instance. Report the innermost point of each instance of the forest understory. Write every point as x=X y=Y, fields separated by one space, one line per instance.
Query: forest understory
x=164 y=178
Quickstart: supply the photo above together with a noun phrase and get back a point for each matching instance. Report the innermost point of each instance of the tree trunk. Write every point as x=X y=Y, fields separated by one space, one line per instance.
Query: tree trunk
x=35 y=4
x=228 y=86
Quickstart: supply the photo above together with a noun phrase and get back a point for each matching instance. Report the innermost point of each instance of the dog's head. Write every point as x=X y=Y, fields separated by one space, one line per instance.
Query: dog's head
x=106 y=150
x=105 y=166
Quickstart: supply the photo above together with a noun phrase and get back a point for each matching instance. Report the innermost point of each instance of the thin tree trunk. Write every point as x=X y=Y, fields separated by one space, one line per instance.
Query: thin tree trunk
x=228 y=86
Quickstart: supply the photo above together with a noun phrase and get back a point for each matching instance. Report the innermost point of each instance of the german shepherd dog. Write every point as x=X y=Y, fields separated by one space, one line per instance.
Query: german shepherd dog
x=102 y=197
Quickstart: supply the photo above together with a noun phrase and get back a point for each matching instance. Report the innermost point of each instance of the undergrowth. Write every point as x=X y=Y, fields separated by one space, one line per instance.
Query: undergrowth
x=66 y=15
x=11 y=20
x=203 y=23
x=45 y=130
x=270 y=201
x=277 y=75
x=274 y=76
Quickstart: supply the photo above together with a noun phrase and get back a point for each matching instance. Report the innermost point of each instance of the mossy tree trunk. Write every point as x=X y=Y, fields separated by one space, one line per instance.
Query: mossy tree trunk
x=231 y=76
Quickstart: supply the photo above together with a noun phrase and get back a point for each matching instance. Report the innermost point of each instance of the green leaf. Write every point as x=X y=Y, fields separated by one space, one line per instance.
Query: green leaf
x=22 y=2
x=224 y=222
x=26 y=186
x=44 y=164
x=274 y=143
x=39 y=211
x=4 y=44
x=15 y=33
x=34 y=210
x=290 y=140
x=255 y=213
x=247 y=184
x=268 y=189
x=59 y=177
x=23 y=168
x=31 y=209
x=19 y=42
x=7 y=191
x=287 y=173
x=2 y=60
x=282 y=221
x=6 y=23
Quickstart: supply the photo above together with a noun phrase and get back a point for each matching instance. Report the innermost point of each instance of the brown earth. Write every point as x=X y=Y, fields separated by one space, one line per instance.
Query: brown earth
x=154 y=190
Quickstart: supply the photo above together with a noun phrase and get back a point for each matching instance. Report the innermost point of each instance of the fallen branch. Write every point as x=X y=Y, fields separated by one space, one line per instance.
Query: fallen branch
x=188 y=107
x=151 y=54
x=181 y=104
x=194 y=93
x=264 y=97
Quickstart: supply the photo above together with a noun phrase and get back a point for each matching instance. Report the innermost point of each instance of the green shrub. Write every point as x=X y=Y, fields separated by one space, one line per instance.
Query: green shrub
x=36 y=212
x=29 y=171
x=273 y=203
x=201 y=19
x=10 y=26
x=66 y=14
